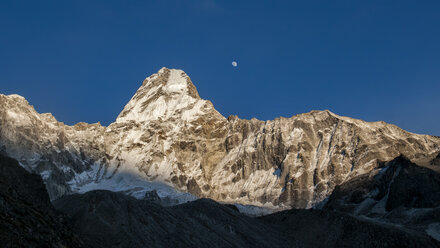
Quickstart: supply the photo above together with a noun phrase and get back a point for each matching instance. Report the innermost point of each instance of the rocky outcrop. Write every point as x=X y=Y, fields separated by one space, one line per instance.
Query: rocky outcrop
x=399 y=192
x=394 y=184
x=168 y=135
x=436 y=161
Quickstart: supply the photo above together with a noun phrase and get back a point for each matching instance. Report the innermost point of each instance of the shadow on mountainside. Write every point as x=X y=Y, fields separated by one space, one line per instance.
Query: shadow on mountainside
x=27 y=218
x=401 y=193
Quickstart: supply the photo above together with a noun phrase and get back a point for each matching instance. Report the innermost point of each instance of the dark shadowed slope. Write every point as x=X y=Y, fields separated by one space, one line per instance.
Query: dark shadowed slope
x=27 y=218
x=401 y=193
x=109 y=219
x=318 y=228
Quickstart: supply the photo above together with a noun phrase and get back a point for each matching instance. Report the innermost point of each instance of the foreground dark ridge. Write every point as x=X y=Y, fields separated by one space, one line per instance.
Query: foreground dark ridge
x=167 y=133
x=27 y=218
x=109 y=219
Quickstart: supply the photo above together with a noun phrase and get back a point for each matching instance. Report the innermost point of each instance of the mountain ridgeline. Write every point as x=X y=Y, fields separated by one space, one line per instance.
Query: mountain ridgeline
x=169 y=139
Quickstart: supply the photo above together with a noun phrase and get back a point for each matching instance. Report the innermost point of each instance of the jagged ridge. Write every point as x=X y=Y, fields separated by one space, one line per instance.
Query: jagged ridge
x=169 y=135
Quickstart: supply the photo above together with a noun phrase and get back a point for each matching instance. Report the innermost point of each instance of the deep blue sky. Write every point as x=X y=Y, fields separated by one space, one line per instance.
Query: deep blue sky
x=373 y=60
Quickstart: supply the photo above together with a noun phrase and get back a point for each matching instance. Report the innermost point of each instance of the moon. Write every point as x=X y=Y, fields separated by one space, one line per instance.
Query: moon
x=234 y=63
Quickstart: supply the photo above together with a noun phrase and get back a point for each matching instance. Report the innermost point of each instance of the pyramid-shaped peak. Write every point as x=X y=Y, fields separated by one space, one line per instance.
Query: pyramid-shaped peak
x=163 y=95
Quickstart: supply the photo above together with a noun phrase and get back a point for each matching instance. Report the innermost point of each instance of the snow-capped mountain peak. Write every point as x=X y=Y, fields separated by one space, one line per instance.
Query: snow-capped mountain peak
x=166 y=94
x=167 y=134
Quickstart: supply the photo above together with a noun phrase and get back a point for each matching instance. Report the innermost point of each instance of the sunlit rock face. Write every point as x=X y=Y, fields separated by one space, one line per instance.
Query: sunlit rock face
x=48 y=147
x=168 y=138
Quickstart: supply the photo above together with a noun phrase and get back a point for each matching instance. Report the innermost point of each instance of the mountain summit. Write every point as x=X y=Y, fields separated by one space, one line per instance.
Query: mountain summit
x=164 y=94
x=169 y=139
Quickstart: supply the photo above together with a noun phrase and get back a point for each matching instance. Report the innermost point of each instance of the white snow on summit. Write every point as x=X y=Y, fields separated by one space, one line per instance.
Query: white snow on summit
x=162 y=99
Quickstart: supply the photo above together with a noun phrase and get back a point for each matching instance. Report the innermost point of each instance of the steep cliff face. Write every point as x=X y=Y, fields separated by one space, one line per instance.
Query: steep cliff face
x=168 y=136
x=306 y=156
